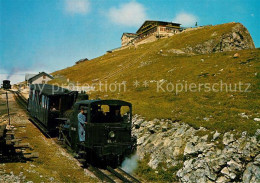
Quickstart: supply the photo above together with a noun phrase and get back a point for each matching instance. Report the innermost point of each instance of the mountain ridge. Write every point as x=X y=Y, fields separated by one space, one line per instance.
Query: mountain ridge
x=172 y=61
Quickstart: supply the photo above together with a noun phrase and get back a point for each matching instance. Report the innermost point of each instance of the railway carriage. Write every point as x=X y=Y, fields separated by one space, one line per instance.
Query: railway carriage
x=47 y=103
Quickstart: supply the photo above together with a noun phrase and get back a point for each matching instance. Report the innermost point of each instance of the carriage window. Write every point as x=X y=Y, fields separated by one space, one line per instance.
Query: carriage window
x=36 y=98
x=31 y=94
x=42 y=103
x=47 y=103
x=45 y=98
x=54 y=103
x=33 y=97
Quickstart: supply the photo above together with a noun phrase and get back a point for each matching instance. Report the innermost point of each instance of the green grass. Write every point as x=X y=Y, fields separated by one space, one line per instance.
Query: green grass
x=221 y=108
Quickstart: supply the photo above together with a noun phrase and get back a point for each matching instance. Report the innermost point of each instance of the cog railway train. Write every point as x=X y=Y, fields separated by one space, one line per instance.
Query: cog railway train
x=6 y=84
x=108 y=136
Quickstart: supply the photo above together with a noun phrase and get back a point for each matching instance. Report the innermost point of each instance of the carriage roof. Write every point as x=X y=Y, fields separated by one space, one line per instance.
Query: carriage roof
x=104 y=102
x=49 y=90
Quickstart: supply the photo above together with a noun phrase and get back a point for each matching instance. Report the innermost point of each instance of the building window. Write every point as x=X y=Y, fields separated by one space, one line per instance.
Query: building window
x=162 y=29
x=44 y=77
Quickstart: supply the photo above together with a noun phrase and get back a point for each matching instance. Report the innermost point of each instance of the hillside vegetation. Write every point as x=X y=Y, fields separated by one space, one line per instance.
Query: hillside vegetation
x=178 y=60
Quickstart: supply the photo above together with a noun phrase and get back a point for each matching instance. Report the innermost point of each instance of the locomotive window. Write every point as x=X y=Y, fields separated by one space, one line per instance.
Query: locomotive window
x=98 y=113
x=84 y=107
x=109 y=114
x=125 y=113
x=105 y=108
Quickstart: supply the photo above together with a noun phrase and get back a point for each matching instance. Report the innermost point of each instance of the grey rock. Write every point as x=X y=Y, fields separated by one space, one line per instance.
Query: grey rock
x=176 y=51
x=204 y=138
x=234 y=166
x=204 y=161
x=228 y=138
x=257 y=132
x=138 y=123
x=141 y=140
x=225 y=171
x=257 y=119
x=257 y=160
x=210 y=174
x=232 y=175
x=164 y=128
x=216 y=135
x=251 y=174
x=222 y=179
x=189 y=149
x=244 y=134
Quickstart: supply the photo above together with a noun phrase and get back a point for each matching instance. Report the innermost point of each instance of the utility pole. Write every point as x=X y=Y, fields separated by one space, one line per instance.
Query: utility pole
x=7 y=104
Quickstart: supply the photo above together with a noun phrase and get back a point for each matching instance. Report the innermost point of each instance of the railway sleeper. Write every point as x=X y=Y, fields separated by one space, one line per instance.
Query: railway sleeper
x=118 y=175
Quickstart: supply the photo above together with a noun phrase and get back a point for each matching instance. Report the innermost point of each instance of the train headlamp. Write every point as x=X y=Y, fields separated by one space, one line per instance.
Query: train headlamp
x=111 y=134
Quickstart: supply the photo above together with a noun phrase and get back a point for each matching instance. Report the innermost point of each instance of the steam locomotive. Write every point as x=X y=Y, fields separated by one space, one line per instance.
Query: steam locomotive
x=108 y=136
x=6 y=84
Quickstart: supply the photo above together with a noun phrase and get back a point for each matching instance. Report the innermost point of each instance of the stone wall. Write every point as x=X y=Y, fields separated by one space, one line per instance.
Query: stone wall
x=215 y=157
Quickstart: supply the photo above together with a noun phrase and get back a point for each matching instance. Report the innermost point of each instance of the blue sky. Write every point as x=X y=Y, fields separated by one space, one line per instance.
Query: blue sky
x=48 y=35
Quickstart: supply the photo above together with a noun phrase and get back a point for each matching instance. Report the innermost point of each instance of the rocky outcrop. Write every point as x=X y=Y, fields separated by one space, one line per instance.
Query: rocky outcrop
x=203 y=158
x=237 y=39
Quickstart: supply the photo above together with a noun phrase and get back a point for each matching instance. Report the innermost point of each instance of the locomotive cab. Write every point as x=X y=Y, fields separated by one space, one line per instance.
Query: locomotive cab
x=108 y=129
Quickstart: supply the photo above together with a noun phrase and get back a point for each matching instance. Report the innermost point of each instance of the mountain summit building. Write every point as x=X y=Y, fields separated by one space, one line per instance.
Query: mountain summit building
x=151 y=29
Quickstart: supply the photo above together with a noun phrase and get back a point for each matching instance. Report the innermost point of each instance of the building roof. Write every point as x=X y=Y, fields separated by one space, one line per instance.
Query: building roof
x=49 y=90
x=39 y=75
x=160 y=22
x=82 y=60
x=28 y=76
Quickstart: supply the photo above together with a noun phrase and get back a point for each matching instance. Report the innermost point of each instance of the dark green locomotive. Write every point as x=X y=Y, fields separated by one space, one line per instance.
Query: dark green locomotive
x=108 y=136
x=6 y=84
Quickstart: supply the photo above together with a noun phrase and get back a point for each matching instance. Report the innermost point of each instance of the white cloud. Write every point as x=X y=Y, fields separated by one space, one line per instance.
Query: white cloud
x=186 y=19
x=77 y=6
x=128 y=14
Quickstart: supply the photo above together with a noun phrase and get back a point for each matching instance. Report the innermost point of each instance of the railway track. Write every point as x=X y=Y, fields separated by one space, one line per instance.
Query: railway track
x=20 y=99
x=113 y=175
x=106 y=175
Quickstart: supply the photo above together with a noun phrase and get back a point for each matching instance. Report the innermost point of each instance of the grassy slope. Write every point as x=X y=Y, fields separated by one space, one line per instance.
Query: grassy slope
x=146 y=63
